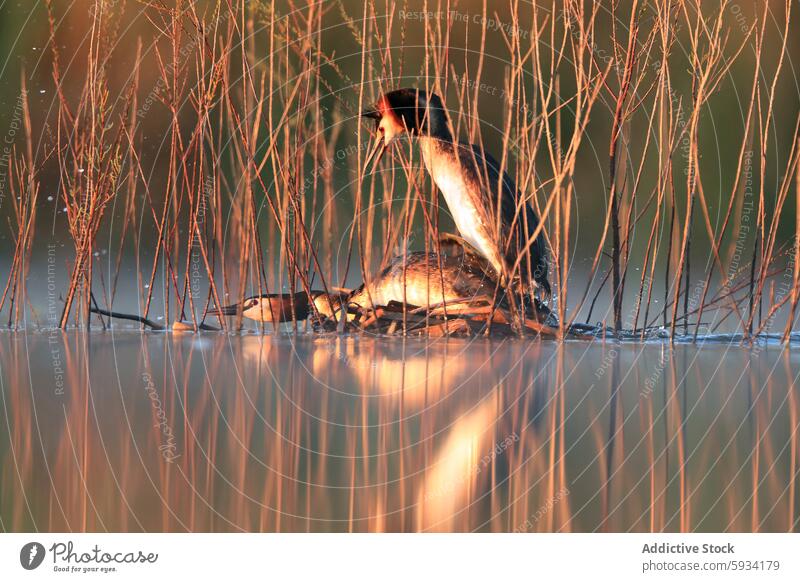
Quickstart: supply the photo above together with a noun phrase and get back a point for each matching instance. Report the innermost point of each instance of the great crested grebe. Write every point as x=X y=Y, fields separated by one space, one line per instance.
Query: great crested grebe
x=416 y=279
x=468 y=178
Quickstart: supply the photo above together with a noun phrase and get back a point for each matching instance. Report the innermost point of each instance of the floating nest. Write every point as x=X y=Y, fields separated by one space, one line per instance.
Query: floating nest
x=475 y=318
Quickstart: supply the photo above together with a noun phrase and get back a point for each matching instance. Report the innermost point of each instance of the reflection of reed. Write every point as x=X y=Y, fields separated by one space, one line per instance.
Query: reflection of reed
x=271 y=435
x=792 y=522
x=17 y=464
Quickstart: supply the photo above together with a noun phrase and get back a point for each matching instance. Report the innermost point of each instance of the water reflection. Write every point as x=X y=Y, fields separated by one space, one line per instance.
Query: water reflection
x=180 y=432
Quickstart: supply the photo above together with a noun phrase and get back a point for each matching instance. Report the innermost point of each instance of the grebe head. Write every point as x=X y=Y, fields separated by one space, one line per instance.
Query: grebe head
x=406 y=110
x=276 y=307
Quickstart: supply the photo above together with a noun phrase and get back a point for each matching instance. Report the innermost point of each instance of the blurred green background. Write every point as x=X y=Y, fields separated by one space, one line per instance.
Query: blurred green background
x=24 y=47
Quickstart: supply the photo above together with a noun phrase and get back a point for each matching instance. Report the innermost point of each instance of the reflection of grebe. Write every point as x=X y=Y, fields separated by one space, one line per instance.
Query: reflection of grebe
x=419 y=279
x=456 y=468
x=417 y=378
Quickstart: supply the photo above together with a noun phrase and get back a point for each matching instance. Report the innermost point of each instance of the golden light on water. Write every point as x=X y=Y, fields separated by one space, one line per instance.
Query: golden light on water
x=230 y=433
x=456 y=468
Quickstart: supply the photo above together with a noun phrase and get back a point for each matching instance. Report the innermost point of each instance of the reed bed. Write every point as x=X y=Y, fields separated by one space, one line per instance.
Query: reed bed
x=20 y=178
x=258 y=183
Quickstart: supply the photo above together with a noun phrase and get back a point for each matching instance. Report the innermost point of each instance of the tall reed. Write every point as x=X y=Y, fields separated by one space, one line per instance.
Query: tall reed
x=261 y=181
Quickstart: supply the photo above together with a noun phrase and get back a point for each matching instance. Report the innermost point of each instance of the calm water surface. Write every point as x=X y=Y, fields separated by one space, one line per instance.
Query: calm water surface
x=154 y=432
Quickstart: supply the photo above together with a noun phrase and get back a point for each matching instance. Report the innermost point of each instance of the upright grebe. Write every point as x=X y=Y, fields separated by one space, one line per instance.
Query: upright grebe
x=469 y=179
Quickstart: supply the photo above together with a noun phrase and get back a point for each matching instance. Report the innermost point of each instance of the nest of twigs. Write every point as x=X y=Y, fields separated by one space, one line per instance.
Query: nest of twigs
x=459 y=320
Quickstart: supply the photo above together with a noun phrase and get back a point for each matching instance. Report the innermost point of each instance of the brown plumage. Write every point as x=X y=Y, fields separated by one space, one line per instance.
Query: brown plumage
x=426 y=279
x=418 y=279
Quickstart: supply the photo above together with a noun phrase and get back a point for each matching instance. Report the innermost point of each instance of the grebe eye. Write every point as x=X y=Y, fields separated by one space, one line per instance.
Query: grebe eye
x=254 y=302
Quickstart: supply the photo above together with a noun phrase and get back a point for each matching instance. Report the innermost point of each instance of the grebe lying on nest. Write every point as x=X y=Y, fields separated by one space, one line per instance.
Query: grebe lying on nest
x=418 y=283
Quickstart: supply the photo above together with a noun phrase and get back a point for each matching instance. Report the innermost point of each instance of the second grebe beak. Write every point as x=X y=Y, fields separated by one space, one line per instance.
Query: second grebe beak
x=277 y=307
x=226 y=310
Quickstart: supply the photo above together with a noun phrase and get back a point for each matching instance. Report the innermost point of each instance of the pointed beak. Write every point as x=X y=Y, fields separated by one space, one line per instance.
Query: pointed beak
x=379 y=146
x=227 y=310
x=375 y=154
